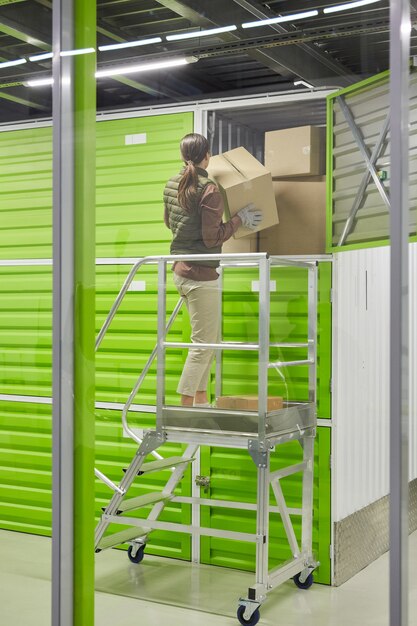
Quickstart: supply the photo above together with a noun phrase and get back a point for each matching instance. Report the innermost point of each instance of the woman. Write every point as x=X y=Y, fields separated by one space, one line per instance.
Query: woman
x=193 y=211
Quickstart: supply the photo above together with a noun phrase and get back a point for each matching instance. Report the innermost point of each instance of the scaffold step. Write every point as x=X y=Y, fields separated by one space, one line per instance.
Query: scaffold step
x=140 y=501
x=156 y=466
x=125 y=535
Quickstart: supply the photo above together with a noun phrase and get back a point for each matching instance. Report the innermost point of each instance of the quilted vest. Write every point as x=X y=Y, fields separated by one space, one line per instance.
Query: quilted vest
x=186 y=226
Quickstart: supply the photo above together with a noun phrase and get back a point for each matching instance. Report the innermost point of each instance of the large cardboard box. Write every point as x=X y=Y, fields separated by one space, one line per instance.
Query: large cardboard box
x=248 y=403
x=302 y=226
x=243 y=180
x=241 y=245
x=299 y=151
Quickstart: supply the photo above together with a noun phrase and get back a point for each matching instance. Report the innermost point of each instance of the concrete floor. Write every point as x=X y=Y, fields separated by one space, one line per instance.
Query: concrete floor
x=164 y=591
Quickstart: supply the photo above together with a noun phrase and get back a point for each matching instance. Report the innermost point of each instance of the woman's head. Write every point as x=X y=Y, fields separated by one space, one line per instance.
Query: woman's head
x=195 y=152
x=194 y=148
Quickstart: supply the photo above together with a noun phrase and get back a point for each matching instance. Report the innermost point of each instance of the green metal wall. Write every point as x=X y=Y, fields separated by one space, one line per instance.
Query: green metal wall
x=130 y=179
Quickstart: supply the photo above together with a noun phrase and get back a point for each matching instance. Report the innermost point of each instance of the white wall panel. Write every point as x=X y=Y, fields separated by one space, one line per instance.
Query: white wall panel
x=361 y=377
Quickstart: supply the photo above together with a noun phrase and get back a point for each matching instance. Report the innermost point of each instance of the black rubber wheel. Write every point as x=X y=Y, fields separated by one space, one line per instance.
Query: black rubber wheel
x=306 y=584
x=138 y=556
x=254 y=619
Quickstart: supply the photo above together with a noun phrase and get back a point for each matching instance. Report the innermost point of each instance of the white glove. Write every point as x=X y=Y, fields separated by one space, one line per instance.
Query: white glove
x=251 y=216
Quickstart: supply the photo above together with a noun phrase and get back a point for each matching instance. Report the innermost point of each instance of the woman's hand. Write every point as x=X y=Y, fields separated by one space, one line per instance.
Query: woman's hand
x=250 y=216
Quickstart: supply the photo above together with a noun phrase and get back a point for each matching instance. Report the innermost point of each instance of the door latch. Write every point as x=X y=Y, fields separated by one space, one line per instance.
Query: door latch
x=203 y=481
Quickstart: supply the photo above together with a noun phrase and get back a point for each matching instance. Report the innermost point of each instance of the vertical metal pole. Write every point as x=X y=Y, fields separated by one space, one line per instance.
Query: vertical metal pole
x=312 y=332
x=307 y=505
x=263 y=334
x=63 y=319
x=160 y=353
x=262 y=519
x=73 y=315
x=220 y=131
x=219 y=353
x=400 y=30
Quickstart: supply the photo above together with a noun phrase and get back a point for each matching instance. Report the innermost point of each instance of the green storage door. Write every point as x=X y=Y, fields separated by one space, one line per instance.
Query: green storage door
x=130 y=181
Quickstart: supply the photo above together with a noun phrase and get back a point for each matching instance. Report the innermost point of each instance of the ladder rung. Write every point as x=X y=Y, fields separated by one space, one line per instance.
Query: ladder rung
x=125 y=535
x=137 y=503
x=155 y=466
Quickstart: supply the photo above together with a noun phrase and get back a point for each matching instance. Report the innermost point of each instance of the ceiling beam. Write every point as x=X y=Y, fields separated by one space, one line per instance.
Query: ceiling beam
x=286 y=62
x=23 y=101
x=24 y=33
x=315 y=55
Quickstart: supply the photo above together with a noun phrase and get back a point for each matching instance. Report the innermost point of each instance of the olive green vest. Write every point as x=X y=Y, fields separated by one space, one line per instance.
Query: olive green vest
x=186 y=226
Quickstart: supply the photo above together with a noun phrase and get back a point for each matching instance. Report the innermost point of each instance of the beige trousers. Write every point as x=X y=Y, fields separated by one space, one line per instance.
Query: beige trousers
x=202 y=299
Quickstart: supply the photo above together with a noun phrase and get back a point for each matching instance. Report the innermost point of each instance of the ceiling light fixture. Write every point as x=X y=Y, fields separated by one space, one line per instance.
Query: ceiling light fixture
x=41 y=57
x=123 y=69
x=12 y=63
x=39 y=82
x=349 y=5
x=130 y=44
x=144 y=67
x=282 y=18
x=202 y=33
x=303 y=82
x=77 y=51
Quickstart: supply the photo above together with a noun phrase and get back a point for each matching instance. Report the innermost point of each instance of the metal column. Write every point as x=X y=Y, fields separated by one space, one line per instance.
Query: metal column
x=400 y=30
x=73 y=322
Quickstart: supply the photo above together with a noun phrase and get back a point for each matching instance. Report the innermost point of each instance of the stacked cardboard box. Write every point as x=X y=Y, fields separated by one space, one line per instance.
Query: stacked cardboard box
x=248 y=403
x=296 y=158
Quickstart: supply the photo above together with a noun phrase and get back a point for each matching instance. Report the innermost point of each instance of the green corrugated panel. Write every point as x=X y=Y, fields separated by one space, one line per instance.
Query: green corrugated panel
x=26 y=482
x=26 y=330
x=130 y=183
x=26 y=193
x=233 y=477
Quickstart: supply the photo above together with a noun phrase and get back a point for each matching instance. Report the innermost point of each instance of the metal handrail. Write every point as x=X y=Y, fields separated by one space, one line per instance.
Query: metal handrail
x=226 y=260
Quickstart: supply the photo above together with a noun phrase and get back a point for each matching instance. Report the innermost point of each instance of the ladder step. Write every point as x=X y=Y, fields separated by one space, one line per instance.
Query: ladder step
x=156 y=466
x=125 y=535
x=137 y=503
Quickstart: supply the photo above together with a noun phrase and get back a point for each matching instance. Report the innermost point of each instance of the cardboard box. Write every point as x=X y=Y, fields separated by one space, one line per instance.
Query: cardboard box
x=299 y=151
x=241 y=245
x=248 y=403
x=302 y=227
x=242 y=180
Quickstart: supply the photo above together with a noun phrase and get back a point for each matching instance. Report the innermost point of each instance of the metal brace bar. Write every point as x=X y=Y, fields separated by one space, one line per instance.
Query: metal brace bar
x=184 y=528
x=364 y=183
x=364 y=151
x=287 y=471
x=286 y=520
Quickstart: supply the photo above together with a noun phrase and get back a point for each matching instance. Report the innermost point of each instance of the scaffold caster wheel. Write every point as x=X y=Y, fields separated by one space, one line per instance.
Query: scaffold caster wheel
x=254 y=618
x=306 y=584
x=138 y=556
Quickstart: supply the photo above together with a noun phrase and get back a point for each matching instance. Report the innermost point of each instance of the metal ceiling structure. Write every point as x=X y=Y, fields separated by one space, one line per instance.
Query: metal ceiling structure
x=328 y=50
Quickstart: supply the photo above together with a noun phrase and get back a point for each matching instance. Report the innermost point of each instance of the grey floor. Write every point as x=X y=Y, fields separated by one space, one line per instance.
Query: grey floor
x=164 y=591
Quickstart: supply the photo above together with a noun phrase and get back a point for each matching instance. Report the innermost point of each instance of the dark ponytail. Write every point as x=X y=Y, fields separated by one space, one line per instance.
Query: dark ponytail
x=194 y=149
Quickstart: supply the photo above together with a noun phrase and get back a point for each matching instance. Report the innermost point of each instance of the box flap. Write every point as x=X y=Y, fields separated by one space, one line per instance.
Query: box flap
x=245 y=163
x=223 y=172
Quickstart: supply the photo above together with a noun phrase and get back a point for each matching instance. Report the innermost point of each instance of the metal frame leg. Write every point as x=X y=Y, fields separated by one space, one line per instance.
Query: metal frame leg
x=307 y=507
